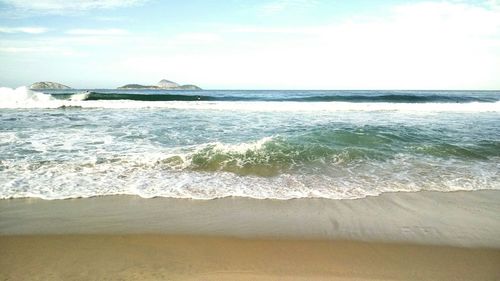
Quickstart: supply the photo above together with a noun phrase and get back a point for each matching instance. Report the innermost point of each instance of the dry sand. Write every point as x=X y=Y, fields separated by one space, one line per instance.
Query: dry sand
x=163 y=257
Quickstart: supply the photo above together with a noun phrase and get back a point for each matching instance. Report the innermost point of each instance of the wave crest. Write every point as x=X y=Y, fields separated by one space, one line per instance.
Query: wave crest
x=266 y=157
x=23 y=97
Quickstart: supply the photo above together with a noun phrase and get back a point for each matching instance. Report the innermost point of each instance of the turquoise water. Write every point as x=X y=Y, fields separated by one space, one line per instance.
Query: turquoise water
x=261 y=144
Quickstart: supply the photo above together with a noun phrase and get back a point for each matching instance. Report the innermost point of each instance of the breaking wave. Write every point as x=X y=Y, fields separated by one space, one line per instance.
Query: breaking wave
x=333 y=164
x=24 y=98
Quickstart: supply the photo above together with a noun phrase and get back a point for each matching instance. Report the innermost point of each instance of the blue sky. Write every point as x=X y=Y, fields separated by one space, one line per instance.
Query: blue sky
x=236 y=44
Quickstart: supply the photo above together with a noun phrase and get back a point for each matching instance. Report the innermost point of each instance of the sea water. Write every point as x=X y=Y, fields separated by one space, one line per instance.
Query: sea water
x=260 y=144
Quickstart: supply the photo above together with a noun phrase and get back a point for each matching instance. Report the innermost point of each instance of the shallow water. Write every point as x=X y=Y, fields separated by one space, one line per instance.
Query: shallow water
x=260 y=144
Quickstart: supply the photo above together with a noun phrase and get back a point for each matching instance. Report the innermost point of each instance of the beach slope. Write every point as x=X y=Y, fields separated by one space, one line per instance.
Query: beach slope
x=395 y=236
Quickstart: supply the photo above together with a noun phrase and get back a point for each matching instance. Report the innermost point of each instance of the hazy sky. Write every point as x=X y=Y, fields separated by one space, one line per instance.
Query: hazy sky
x=236 y=44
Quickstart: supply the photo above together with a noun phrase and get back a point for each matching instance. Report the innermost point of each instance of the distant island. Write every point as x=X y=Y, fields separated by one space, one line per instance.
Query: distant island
x=162 y=85
x=48 y=85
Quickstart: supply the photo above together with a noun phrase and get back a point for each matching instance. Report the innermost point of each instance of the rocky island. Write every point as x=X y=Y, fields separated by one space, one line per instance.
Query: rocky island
x=48 y=85
x=162 y=85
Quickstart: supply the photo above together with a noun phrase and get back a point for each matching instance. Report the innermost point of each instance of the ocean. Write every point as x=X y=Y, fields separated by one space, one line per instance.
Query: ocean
x=209 y=144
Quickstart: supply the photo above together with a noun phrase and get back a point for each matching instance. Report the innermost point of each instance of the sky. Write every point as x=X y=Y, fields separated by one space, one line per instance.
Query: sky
x=238 y=44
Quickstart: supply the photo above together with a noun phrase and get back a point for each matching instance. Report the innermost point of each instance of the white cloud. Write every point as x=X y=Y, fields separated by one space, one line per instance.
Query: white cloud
x=282 y=30
x=110 y=19
x=26 y=29
x=278 y=6
x=97 y=32
x=194 y=38
x=21 y=49
x=41 y=50
x=432 y=45
x=59 y=6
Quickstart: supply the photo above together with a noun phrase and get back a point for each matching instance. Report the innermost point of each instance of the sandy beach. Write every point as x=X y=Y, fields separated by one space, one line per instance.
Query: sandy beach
x=249 y=140
x=395 y=236
x=164 y=257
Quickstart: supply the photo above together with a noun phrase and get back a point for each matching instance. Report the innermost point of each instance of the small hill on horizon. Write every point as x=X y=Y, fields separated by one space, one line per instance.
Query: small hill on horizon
x=164 y=84
x=48 y=85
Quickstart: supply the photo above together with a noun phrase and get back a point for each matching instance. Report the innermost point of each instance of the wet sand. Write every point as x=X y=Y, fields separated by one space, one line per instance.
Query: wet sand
x=398 y=236
x=467 y=219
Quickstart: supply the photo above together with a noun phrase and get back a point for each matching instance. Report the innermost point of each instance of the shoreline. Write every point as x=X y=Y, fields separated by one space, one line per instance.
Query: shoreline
x=236 y=197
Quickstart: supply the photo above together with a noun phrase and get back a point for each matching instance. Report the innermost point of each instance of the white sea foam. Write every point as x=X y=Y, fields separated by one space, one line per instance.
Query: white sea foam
x=145 y=175
x=264 y=106
x=238 y=148
x=56 y=155
x=79 y=96
x=61 y=183
x=22 y=97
